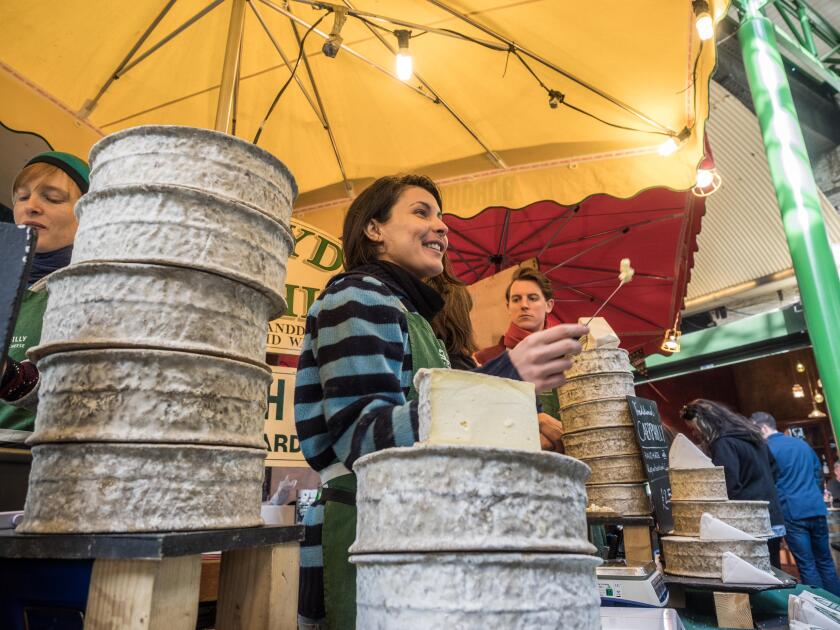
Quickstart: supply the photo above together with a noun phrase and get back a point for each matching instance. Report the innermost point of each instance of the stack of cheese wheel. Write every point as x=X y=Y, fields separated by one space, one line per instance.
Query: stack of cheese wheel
x=459 y=533
x=152 y=393
x=598 y=429
x=695 y=491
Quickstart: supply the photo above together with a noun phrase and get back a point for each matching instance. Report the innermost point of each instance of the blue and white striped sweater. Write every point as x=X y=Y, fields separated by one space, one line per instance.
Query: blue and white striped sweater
x=353 y=378
x=354 y=374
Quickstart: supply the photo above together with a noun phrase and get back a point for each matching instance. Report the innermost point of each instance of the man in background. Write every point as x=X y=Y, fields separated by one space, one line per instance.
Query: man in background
x=833 y=486
x=800 y=489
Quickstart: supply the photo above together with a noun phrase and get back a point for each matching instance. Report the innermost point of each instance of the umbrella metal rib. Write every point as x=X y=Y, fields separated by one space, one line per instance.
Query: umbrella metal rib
x=592 y=298
x=352 y=52
x=511 y=44
x=410 y=25
x=491 y=155
x=637 y=274
x=586 y=250
x=624 y=229
x=467 y=263
x=286 y=61
x=481 y=248
x=172 y=35
x=347 y=185
x=565 y=217
x=90 y=104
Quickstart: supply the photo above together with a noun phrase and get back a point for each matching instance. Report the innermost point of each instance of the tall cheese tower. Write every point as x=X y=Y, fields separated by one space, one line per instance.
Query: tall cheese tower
x=698 y=487
x=597 y=426
x=475 y=526
x=152 y=394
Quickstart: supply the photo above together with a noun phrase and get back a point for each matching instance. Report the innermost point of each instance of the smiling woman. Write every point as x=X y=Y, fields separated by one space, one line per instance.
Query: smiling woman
x=44 y=193
x=366 y=336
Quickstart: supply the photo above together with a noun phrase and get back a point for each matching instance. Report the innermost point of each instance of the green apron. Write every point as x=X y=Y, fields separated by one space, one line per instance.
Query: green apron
x=26 y=335
x=339 y=529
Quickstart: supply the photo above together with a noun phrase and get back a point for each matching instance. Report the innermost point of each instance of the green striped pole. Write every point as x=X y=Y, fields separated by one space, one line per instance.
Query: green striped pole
x=816 y=272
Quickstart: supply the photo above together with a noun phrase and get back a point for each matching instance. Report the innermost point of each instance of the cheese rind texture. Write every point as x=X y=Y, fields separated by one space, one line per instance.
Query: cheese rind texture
x=469 y=409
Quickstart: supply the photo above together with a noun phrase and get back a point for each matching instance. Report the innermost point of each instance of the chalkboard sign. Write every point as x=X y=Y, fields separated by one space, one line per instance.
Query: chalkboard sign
x=17 y=250
x=651 y=438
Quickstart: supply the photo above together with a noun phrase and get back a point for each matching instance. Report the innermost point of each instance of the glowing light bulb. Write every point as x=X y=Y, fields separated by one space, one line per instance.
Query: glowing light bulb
x=669 y=147
x=671 y=342
x=800 y=367
x=405 y=64
x=705 y=26
x=818 y=397
x=705 y=178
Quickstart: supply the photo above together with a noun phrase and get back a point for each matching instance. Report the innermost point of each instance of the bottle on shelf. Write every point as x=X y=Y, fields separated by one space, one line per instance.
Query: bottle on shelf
x=825 y=469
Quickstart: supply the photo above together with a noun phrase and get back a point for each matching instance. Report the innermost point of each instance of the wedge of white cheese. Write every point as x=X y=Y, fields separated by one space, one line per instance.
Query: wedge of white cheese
x=468 y=409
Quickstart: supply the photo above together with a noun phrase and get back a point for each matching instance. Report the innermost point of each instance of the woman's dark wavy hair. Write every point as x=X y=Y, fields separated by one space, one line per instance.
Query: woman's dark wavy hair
x=375 y=202
x=714 y=419
x=452 y=324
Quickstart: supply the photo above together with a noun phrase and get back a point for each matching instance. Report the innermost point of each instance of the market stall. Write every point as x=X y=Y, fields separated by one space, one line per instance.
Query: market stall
x=616 y=105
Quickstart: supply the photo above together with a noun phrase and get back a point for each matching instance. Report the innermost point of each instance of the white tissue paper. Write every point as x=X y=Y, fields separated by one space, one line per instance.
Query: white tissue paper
x=820 y=601
x=712 y=528
x=807 y=610
x=684 y=454
x=738 y=570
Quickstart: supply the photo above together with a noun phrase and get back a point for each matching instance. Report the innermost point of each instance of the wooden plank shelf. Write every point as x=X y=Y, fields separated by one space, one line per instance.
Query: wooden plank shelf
x=151 y=581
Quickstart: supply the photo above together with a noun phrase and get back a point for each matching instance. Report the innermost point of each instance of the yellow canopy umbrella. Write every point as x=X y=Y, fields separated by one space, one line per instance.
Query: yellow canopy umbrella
x=510 y=101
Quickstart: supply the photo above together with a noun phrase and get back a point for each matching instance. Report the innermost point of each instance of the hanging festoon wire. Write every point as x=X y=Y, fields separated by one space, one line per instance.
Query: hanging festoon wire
x=404 y=63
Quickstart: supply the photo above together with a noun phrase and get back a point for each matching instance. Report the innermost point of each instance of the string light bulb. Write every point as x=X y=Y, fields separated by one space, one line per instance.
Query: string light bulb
x=671 y=342
x=703 y=20
x=819 y=398
x=670 y=146
x=815 y=412
x=708 y=179
x=798 y=391
x=405 y=64
x=705 y=177
x=800 y=367
x=555 y=98
x=707 y=182
x=335 y=40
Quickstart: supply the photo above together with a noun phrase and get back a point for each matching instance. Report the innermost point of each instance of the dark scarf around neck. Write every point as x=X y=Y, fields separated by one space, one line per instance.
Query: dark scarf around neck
x=47 y=262
x=425 y=299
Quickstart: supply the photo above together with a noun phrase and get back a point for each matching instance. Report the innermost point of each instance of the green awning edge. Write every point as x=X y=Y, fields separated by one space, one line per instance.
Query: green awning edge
x=750 y=338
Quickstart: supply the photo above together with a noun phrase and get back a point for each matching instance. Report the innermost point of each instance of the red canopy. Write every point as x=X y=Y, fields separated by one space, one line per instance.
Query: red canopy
x=579 y=247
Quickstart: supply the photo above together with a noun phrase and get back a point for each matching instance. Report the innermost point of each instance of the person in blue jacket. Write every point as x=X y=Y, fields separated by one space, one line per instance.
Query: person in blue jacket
x=799 y=484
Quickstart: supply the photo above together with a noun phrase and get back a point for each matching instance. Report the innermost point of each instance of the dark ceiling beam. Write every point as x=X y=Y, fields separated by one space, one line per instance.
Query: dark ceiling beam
x=815 y=102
